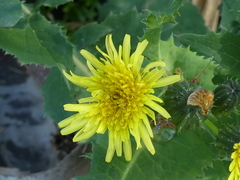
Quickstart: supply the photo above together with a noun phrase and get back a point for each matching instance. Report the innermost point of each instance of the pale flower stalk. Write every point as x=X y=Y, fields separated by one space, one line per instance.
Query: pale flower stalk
x=122 y=98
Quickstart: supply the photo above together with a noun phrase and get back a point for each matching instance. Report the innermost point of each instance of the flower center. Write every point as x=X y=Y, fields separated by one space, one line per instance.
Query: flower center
x=123 y=95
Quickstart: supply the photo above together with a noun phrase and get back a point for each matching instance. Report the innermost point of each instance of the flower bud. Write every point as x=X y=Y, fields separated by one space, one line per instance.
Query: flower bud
x=226 y=97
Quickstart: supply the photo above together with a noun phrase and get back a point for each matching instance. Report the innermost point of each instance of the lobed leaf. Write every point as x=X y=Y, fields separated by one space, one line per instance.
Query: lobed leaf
x=10 y=19
x=184 y=157
x=223 y=47
x=189 y=21
x=35 y=40
x=189 y=62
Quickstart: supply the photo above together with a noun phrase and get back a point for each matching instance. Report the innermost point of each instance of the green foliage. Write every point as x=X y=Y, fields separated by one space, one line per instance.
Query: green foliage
x=89 y=34
x=32 y=38
x=80 y=10
x=120 y=26
x=226 y=98
x=234 y=7
x=72 y=14
x=223 y=47
x=182 y=57
x=51 y=3
x=156 y=21
x=189 y=21
x=178 y=156
x=117 y=7
x=229 y=20
x=54 y=109
x=218 y=170
x=10 y=19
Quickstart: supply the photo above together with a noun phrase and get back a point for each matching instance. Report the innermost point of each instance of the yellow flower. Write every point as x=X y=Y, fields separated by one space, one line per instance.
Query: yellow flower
x=234 y=167
x=121 y=98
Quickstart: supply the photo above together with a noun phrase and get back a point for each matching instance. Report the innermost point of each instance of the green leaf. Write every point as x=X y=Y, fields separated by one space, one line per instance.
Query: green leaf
x=35 y=40
x=157 y=19
x=224 y=47
x=219 y=170
x=155 y=22
x=184 y=157
x=56 y=94
x=11 y=12
x=89 y=34
x=117 y=7
x=52 y=3
x=94 y=34
x=188 y=61
x=234 y=6
x=189 y=21
x=228 y=18
x=126 y=23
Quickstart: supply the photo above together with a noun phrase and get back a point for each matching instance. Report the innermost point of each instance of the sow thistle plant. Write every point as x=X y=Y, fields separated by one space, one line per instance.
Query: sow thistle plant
x=167 y=105
x=121 y=99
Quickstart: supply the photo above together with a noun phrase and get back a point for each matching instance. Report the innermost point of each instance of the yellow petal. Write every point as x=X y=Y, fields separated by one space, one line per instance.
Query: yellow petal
x=137 y=137
x=120 y=54
x=154 y=98
x=92 y=69
x=103 y=53
x=147 y=124
x=158 y=108
x=111 y=148
x=146 y=138
x=127 y=149
x=68 y=120
x=232 y=165
x=72 y=107
x=126 y=48
x=74 y=127
x=92 y=59
x=154 y=75
x=109 y=155
x=153 y=65
x=78 y=80
x=81 y=135
x=234 y=155
x=167 y=81
x=118 y=145
x=138 y=52
x=88 y=99
x=81 y=108
x=111 y=50
x=102 y=127
x=111 y=139
x=231 y=177
x=149 y=112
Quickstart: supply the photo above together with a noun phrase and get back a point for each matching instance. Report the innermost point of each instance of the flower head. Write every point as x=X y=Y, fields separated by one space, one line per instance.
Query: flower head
x=121 y=98
x=234 y=167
